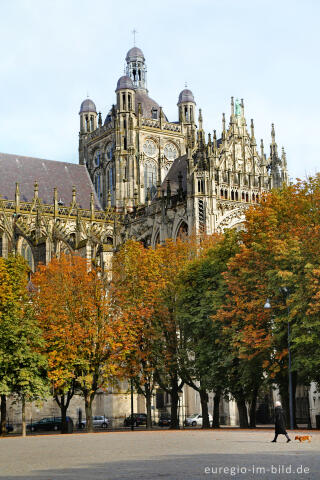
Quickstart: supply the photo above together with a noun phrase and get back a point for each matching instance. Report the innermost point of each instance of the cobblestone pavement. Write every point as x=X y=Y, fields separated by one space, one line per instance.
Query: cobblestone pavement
x=160 y=455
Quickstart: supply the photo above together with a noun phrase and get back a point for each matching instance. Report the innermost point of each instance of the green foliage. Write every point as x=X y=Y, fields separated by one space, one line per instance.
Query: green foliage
x=202 y=290
x=22 y=366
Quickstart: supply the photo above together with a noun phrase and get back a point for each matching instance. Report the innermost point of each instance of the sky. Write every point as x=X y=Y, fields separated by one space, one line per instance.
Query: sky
x=53 y=53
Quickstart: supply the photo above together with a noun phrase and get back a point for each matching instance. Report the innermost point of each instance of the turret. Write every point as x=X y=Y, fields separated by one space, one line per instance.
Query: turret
x=88 y=116
x=125 y=94
x=136 y=68
x=186 y=105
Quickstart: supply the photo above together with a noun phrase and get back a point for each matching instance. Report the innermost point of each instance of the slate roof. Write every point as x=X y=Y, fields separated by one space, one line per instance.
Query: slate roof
x=48 y=174
x=135 y=53
x=179 y=165
x=124 y=82
x=147 y=104
x=186 y=96
x=87 y=106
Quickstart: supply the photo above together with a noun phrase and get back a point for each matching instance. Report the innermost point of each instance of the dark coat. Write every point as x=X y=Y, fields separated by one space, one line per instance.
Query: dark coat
x=280 y=424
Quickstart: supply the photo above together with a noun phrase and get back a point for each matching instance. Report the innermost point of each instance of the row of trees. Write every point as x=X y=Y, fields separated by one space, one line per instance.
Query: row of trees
x=200 y=305
x=189 y=311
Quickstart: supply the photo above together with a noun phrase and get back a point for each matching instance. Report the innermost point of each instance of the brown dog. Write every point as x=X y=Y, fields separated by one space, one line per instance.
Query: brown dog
x=303 y=438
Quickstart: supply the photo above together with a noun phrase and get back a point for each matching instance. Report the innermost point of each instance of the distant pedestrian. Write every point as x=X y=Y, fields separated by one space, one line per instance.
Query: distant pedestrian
x=280 y=428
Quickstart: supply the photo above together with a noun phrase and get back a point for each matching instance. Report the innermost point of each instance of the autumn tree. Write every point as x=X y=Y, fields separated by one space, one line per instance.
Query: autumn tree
x=82 y=337
x=279 y=251
x=136 y=282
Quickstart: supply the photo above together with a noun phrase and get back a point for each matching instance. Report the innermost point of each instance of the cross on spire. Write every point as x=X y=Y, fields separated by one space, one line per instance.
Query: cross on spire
x=134 y=32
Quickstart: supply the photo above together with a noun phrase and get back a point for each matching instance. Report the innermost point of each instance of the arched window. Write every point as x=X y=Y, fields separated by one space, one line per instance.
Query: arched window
x=97 y=182
x=26 y=253
x=236 y=196
x=129 y=101
x=247 y=197
x=226 y=194
x=109 y=151
x=97 y=158
x=242 y=195
x=200 y=185
x=232 y=195
x=183 y=230
x=110 y=183
x=150 y=179
x=154 y=113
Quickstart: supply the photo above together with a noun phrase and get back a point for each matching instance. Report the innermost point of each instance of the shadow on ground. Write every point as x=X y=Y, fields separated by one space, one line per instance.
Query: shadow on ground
x=289 y=466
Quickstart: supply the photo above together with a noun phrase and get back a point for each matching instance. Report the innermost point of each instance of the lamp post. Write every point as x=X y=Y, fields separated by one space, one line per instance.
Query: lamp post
x=267 y=305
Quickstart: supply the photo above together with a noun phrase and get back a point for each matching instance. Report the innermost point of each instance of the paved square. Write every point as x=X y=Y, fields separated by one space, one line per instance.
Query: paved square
x=160 y=454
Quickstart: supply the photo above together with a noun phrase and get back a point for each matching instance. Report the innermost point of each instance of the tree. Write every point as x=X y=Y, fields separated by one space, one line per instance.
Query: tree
x=22 y=366
x=83 y=340
x=136 y=281
x=201 y=292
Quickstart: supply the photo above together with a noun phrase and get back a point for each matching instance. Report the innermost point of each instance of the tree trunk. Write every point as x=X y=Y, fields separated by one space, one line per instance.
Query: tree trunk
x=204 y=408
x=23 y=416
x=253 y=407
x=243 y=414
x=174 y=405
x=3 y=415
x=88 y=407
x=148 y=396
x=216 y=410
x=63 y=409
x=64 y=402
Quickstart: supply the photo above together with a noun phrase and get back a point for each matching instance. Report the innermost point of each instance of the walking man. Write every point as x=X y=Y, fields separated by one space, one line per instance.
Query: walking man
x=280 y=428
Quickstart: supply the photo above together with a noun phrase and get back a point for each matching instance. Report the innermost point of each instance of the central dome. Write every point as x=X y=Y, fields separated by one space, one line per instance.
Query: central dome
x=135 y=54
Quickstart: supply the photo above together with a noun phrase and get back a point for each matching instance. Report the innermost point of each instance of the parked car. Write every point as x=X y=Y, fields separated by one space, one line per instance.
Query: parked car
x=165 y=420
x=138 y=419
x=97 y=421
x=9 y=427
x=196 y=420
x=47 y=423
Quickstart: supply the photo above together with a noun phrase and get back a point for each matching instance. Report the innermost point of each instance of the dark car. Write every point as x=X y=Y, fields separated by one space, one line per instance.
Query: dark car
x=47 y=423
x=138 y=419
x=165 y=420
x=9 y=427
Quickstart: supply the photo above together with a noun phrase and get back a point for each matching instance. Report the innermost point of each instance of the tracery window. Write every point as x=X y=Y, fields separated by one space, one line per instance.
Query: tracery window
x=149 y=148
x=109 y=151
x=97 y=158
x=26 y=253
x=110 y=182
x=150 y=179
x=97 y=182
x=170 y=151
